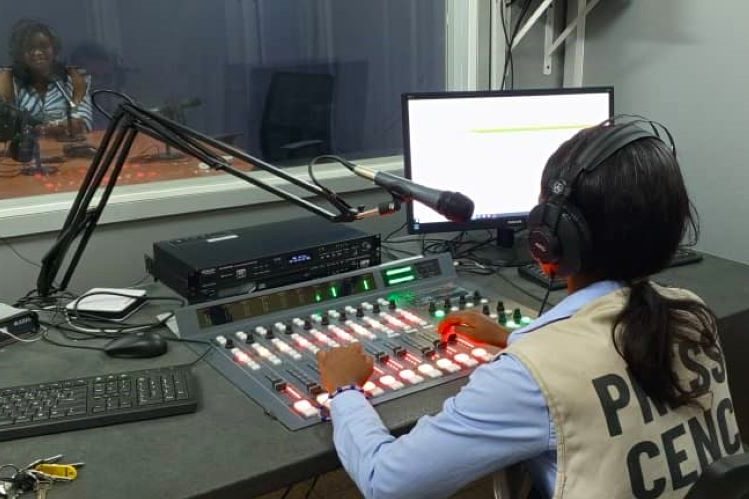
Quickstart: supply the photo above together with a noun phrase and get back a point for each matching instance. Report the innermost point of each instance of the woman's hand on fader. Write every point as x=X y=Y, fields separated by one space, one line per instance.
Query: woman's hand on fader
x=474 y=326
x=348 y=365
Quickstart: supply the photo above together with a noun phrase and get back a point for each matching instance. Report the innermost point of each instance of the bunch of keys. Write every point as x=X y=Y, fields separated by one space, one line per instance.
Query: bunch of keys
x=39 y=476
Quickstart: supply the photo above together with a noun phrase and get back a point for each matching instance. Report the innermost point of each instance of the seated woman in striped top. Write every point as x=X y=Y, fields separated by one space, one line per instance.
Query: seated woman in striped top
x=55 y=95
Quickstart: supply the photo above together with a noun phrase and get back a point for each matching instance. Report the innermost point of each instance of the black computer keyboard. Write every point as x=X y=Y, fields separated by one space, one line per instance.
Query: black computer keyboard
x=533 y=271
x=79 y=403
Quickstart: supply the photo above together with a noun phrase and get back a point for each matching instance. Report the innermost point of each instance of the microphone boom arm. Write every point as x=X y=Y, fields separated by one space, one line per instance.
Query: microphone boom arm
x=131 y=119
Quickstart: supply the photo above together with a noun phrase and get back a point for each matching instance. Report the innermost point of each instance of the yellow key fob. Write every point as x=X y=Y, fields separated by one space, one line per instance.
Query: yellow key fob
x=64 y=471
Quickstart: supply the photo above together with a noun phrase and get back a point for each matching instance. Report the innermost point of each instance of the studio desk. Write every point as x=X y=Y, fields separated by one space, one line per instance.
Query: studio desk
x=230 y=448
x=143 y=165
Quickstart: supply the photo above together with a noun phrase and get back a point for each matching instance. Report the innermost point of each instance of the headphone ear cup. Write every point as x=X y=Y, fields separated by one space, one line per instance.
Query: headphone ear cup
x=543 y=242
x=574 y=238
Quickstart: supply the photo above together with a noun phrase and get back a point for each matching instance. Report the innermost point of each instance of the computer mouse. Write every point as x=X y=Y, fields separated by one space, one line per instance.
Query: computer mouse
x=138 y=345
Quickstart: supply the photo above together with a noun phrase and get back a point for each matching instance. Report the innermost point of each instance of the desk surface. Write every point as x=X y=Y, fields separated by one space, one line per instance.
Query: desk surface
x=71 y=171
x=230 y=448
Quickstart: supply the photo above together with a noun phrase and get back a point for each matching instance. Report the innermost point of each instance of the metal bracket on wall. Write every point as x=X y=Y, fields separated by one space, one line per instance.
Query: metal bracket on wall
x=551 y=44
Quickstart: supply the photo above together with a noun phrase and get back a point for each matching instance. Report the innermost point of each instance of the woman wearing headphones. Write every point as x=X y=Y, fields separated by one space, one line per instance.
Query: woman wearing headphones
x=37 y=82
x=618 y=391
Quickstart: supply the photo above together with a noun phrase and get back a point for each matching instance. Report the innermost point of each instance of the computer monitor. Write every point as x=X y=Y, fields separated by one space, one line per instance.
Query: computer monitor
x=491 y=146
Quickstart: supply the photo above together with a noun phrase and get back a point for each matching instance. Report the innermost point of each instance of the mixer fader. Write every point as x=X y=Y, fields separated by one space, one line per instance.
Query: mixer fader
x=266 y=343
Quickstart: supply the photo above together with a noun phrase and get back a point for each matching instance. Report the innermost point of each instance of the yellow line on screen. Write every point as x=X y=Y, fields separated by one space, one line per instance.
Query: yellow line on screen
x=531 y=128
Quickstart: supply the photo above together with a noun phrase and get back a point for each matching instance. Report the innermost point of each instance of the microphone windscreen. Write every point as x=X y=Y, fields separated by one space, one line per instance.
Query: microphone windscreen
x=455 y=206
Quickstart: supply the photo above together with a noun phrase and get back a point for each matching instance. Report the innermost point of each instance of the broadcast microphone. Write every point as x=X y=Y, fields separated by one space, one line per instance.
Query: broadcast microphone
x=68 y=111
x=71 y=105
x=452 y=205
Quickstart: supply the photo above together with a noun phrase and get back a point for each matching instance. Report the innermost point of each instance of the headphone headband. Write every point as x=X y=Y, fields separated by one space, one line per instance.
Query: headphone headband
x=592 y=155
x=558 y=233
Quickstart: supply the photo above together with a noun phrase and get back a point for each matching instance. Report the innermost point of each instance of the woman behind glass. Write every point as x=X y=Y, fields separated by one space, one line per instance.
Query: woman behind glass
x=55 y=95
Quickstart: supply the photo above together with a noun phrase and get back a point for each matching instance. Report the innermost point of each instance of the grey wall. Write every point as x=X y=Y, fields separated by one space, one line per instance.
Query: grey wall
x=114 y=256
x=683 y=62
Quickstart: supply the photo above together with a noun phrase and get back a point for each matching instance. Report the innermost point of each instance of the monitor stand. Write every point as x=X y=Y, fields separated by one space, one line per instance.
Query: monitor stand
x=513 y=251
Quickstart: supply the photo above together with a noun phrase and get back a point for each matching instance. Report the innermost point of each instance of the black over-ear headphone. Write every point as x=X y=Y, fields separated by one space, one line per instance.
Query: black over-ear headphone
x=558 y=233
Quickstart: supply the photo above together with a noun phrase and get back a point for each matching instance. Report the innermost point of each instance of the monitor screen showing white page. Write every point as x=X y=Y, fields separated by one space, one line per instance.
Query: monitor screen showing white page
x=493 y=148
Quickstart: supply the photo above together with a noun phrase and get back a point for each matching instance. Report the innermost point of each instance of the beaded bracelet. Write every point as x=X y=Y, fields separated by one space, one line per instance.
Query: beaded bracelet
x=345 y=388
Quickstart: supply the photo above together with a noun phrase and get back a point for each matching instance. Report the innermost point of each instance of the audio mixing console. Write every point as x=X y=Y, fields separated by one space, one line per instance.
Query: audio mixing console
x=265 y=343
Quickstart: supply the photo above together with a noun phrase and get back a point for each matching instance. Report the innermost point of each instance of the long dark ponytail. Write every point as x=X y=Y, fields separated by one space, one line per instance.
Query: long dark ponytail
x=638 y=212
x=646 y=332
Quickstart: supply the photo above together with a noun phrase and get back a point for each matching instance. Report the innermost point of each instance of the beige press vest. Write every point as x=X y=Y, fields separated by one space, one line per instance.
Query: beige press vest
x=612 y=440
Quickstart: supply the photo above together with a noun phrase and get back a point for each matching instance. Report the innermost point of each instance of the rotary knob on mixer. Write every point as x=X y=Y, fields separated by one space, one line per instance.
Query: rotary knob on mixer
x=432 y=307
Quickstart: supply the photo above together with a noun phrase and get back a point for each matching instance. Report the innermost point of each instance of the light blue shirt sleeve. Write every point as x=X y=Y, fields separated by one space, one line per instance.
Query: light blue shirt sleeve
x=499 y=418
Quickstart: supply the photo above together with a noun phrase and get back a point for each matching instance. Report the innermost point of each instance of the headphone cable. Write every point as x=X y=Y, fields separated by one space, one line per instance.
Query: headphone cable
x=546 y=295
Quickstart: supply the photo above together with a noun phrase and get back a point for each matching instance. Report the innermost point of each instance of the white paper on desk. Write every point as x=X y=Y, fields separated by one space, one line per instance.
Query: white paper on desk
x=106 y=303
x=171 y=323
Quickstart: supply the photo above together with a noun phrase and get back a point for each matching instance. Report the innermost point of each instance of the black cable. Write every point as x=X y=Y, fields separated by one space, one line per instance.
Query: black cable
x=76 y=318
x=311 y=487
x=287 y=491
x=523 y=13
x=203 y=355
x=100 y=91
x=519 y=288
x=19 y=255
x=392 y=233
x=510 y=40
x=508 y=46
x=546 y=296
x=46 y=338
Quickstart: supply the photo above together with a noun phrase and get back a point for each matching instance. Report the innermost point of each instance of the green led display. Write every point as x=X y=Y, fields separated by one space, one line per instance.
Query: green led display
x=399 y=275
x=399 y=271
x=399 y=280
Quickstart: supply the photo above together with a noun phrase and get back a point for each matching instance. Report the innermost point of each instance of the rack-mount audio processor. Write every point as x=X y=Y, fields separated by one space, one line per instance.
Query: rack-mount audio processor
x=266 y=343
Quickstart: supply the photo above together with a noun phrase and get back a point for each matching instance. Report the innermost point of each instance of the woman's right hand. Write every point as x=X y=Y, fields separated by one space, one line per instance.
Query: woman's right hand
x=474 y=326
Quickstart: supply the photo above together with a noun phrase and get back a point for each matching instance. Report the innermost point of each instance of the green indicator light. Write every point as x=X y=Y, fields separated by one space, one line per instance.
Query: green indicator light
x=366 y=285
x=511 y=324
x=439 y=314
x=525 y=320
x=333 y=292
x=318 y=297
x=399 y=280
x=401 y=270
